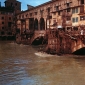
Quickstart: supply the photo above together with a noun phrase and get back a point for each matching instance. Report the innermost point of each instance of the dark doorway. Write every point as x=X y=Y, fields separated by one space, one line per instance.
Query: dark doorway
x=42 y=24
x=36 y=24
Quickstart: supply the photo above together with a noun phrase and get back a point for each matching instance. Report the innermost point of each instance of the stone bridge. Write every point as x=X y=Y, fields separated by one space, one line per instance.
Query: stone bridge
x=38 y=37
x=65 y=42
x=78 y=45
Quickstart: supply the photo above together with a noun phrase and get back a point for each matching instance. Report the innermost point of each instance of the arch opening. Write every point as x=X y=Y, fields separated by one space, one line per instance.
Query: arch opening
x=42 y=24
x=36 y=24
x=38 y=41
x=80 y=51
x=31 y=23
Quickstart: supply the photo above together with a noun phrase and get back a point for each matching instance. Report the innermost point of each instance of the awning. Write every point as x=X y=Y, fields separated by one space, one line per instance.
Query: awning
x=59 y=26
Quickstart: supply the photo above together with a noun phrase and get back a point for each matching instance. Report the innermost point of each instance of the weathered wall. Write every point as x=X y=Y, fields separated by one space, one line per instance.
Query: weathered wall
x=60 y=42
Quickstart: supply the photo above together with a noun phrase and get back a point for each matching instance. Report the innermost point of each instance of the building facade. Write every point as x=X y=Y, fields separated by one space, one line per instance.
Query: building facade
x=66 y=14
x=7 y=16
x=13 y=3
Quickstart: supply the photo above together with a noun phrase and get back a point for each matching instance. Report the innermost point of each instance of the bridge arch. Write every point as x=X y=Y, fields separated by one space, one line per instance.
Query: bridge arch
x=42 y=24
x=80 y=51
x=38 y=37
x=36 y=24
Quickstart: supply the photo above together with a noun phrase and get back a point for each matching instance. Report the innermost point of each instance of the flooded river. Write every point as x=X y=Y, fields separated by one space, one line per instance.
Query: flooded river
x=19 y=65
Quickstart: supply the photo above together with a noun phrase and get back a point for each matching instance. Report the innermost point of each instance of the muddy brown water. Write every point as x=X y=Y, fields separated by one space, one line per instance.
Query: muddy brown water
x=19 y=65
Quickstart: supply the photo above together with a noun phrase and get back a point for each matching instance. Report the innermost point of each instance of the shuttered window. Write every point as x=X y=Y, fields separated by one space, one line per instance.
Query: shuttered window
x=75 y=10
x=75 y=19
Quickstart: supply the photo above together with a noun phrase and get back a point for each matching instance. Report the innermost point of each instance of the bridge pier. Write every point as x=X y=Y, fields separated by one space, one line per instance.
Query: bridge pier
x=64 y=43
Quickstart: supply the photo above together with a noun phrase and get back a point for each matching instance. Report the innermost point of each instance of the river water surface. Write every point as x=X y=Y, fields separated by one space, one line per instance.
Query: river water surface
x=19 y=65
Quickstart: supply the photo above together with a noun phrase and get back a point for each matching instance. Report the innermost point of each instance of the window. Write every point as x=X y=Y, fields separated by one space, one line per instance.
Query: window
x=35 y=13
x=30 y=14
x=82 y=9
x=9 y=18
x=54 y=13
x=57 y=8
x=75 y=10
x=49 y=9
x=11 y=4
x=2 y=27
x=82 y=1
x=75 y=28
x=68 y=5
x=2 y=22
x=68 y=10
x=2 y=17
x=22 y=16
x=19 y=16
x=54 y=21
x=82 y=18
x=26 y=15
x=41 y=12
x=68 y=28
x=9 y=24
x=59 y=13
x=75 y=19
x=2 y=12
x=15 y=4
x=68 y=18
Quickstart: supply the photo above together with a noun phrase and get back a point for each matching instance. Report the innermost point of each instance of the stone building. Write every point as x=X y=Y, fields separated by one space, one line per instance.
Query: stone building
x=13 y=3
x=7 y=16
x=6 y=20
x=66 y=14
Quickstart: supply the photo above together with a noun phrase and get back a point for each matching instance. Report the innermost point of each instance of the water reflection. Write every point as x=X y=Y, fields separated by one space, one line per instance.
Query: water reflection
x=20 y=66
